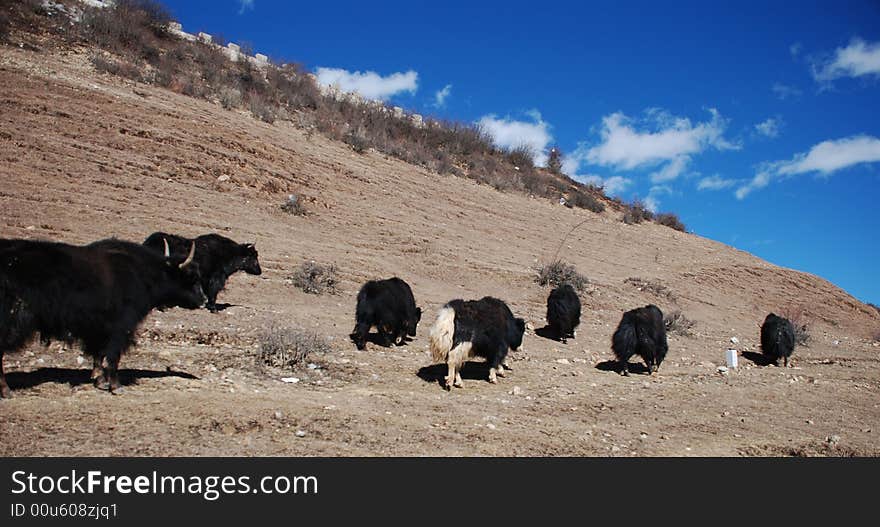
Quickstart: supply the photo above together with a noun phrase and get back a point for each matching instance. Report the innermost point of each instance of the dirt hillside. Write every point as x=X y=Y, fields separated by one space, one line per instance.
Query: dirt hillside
x=87 y=156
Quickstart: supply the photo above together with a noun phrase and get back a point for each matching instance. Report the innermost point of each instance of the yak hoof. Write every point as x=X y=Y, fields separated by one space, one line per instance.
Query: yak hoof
x=5 y=393
x=101 y=383
x=118 y=390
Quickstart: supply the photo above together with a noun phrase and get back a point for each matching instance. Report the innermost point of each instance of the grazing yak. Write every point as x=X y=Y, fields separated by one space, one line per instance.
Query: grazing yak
x=777 y=338
x=390 y=306
x=96 y=294
x=475 y=328
x=641 y=332
x=218 y=258
x=564 y=312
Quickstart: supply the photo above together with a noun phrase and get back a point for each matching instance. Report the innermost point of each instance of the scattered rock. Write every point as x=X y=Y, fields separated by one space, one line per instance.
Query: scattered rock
x=832 y=440
x=723 y=370
x=278 y=414
x=563 y=361
x=80 y=360
x=291 y=380
x=516 y=391
x=491 y=426
x=734 y=340
x=300 y=433
x=615 y=448
x=223 y=178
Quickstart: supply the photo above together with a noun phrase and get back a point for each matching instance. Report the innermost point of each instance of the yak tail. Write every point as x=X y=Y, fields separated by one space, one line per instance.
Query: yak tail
x=441 y=335
x=624 y=341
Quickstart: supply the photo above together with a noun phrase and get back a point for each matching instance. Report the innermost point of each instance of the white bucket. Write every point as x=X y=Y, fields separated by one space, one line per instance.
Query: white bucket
x=732 y=358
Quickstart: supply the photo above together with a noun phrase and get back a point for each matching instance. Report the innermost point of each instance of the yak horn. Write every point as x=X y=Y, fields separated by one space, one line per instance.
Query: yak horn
x=167 y=251
x=189 y=258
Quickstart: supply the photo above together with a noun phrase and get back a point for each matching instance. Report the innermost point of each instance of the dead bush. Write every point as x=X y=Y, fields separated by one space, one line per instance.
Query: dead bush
x=636 y=212
x=676 y=322
x=116 y=67
x=653 y=287
x=583 y=200
x=357 y=140
x=315 y=278
x=230 y=98
x=287 y=347
x=670 y=220
x=798 y=318
x=294 y=205
x=522 y=156
x=262 y=109
x=558 y=272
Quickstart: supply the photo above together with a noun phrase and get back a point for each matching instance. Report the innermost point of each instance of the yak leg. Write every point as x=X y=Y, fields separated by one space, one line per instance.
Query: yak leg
x=458 y=382
x=451 y=376
x=113 y=352
x=785 y=361
x=5 y=392
x=624 y=367
x=97 y=368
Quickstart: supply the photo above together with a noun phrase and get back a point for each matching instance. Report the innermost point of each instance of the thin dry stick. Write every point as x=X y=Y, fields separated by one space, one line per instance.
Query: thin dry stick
x=564 y=238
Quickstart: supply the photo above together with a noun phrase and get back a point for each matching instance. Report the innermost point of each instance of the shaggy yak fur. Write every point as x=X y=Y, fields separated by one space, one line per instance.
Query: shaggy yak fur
x=640 y=332
x=564 y=312
x=218 y=258
x=96 y=294
x=475 y=328
x=777 y=338
x=390 y=306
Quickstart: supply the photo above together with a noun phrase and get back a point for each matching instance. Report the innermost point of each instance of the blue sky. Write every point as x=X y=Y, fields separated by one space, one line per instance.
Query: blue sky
x=756 y=122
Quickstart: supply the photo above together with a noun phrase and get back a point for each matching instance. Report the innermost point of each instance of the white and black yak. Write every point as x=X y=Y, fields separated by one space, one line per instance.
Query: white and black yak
x=475 y=328
x=390 y=307
x=96 y=294
x=777 y=338
x=563 y=312
x=641 y=332
x=218 y=258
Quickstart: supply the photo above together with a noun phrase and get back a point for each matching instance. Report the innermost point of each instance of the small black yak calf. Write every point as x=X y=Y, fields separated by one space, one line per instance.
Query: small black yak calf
x=475 y=328
x=390 y=306
x=777 y=338
x=564 y=311
x=96 y=294
x=641 y=332
x=218 y=258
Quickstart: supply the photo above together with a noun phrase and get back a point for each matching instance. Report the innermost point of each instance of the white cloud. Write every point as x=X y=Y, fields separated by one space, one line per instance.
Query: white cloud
x=652 y=201
x=715 y=182
x=246 y=5
x=612 y=186
x=660 y=139
x=510 y=133
x=369 y=84
x=857 y=59
x=825 y=158
x=784 y=91
x=441 y=95
x=770 y=127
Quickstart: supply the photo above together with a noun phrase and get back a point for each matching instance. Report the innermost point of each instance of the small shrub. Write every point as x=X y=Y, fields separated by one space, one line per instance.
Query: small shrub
x=4 y=26
x=554 y=161
x=522 y=156
x=315 y=278
x=118 y=68
x=676 y=322
x=798 y=318
x=287 y=347
x=670 y=220
x=294 y=205
x=230 y=98
x=654 y=287
x=558 y=272
x=261 y=109
x=636 y=212
x=357 y=140
x=583 y=200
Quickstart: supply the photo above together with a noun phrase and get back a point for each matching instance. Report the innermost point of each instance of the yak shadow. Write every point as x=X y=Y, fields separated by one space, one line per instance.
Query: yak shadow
x=633 y=367
x=471 y=370
x=28 y=379
x=221 y=307
x=758 y=358
x=375 y=338
x=549 y=333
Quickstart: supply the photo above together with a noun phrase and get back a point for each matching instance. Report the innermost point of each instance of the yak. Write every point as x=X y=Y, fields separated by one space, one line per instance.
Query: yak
x=218 y=258
x=641 y=332
x=390 y=306
x=475 y=328
x=563 y=312
x=96 y=294
x=777 y=338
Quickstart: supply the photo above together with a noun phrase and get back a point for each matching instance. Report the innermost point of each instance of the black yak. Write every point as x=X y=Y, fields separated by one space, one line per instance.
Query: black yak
x=475 y=328
x=564 y=312
x=218 y=258
x=641 y=332
x=390 y=306
x=777 y=338
x=96 y=294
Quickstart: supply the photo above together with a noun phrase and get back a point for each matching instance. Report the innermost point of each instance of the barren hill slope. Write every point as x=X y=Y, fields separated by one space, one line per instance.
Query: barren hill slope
x=86 y=156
